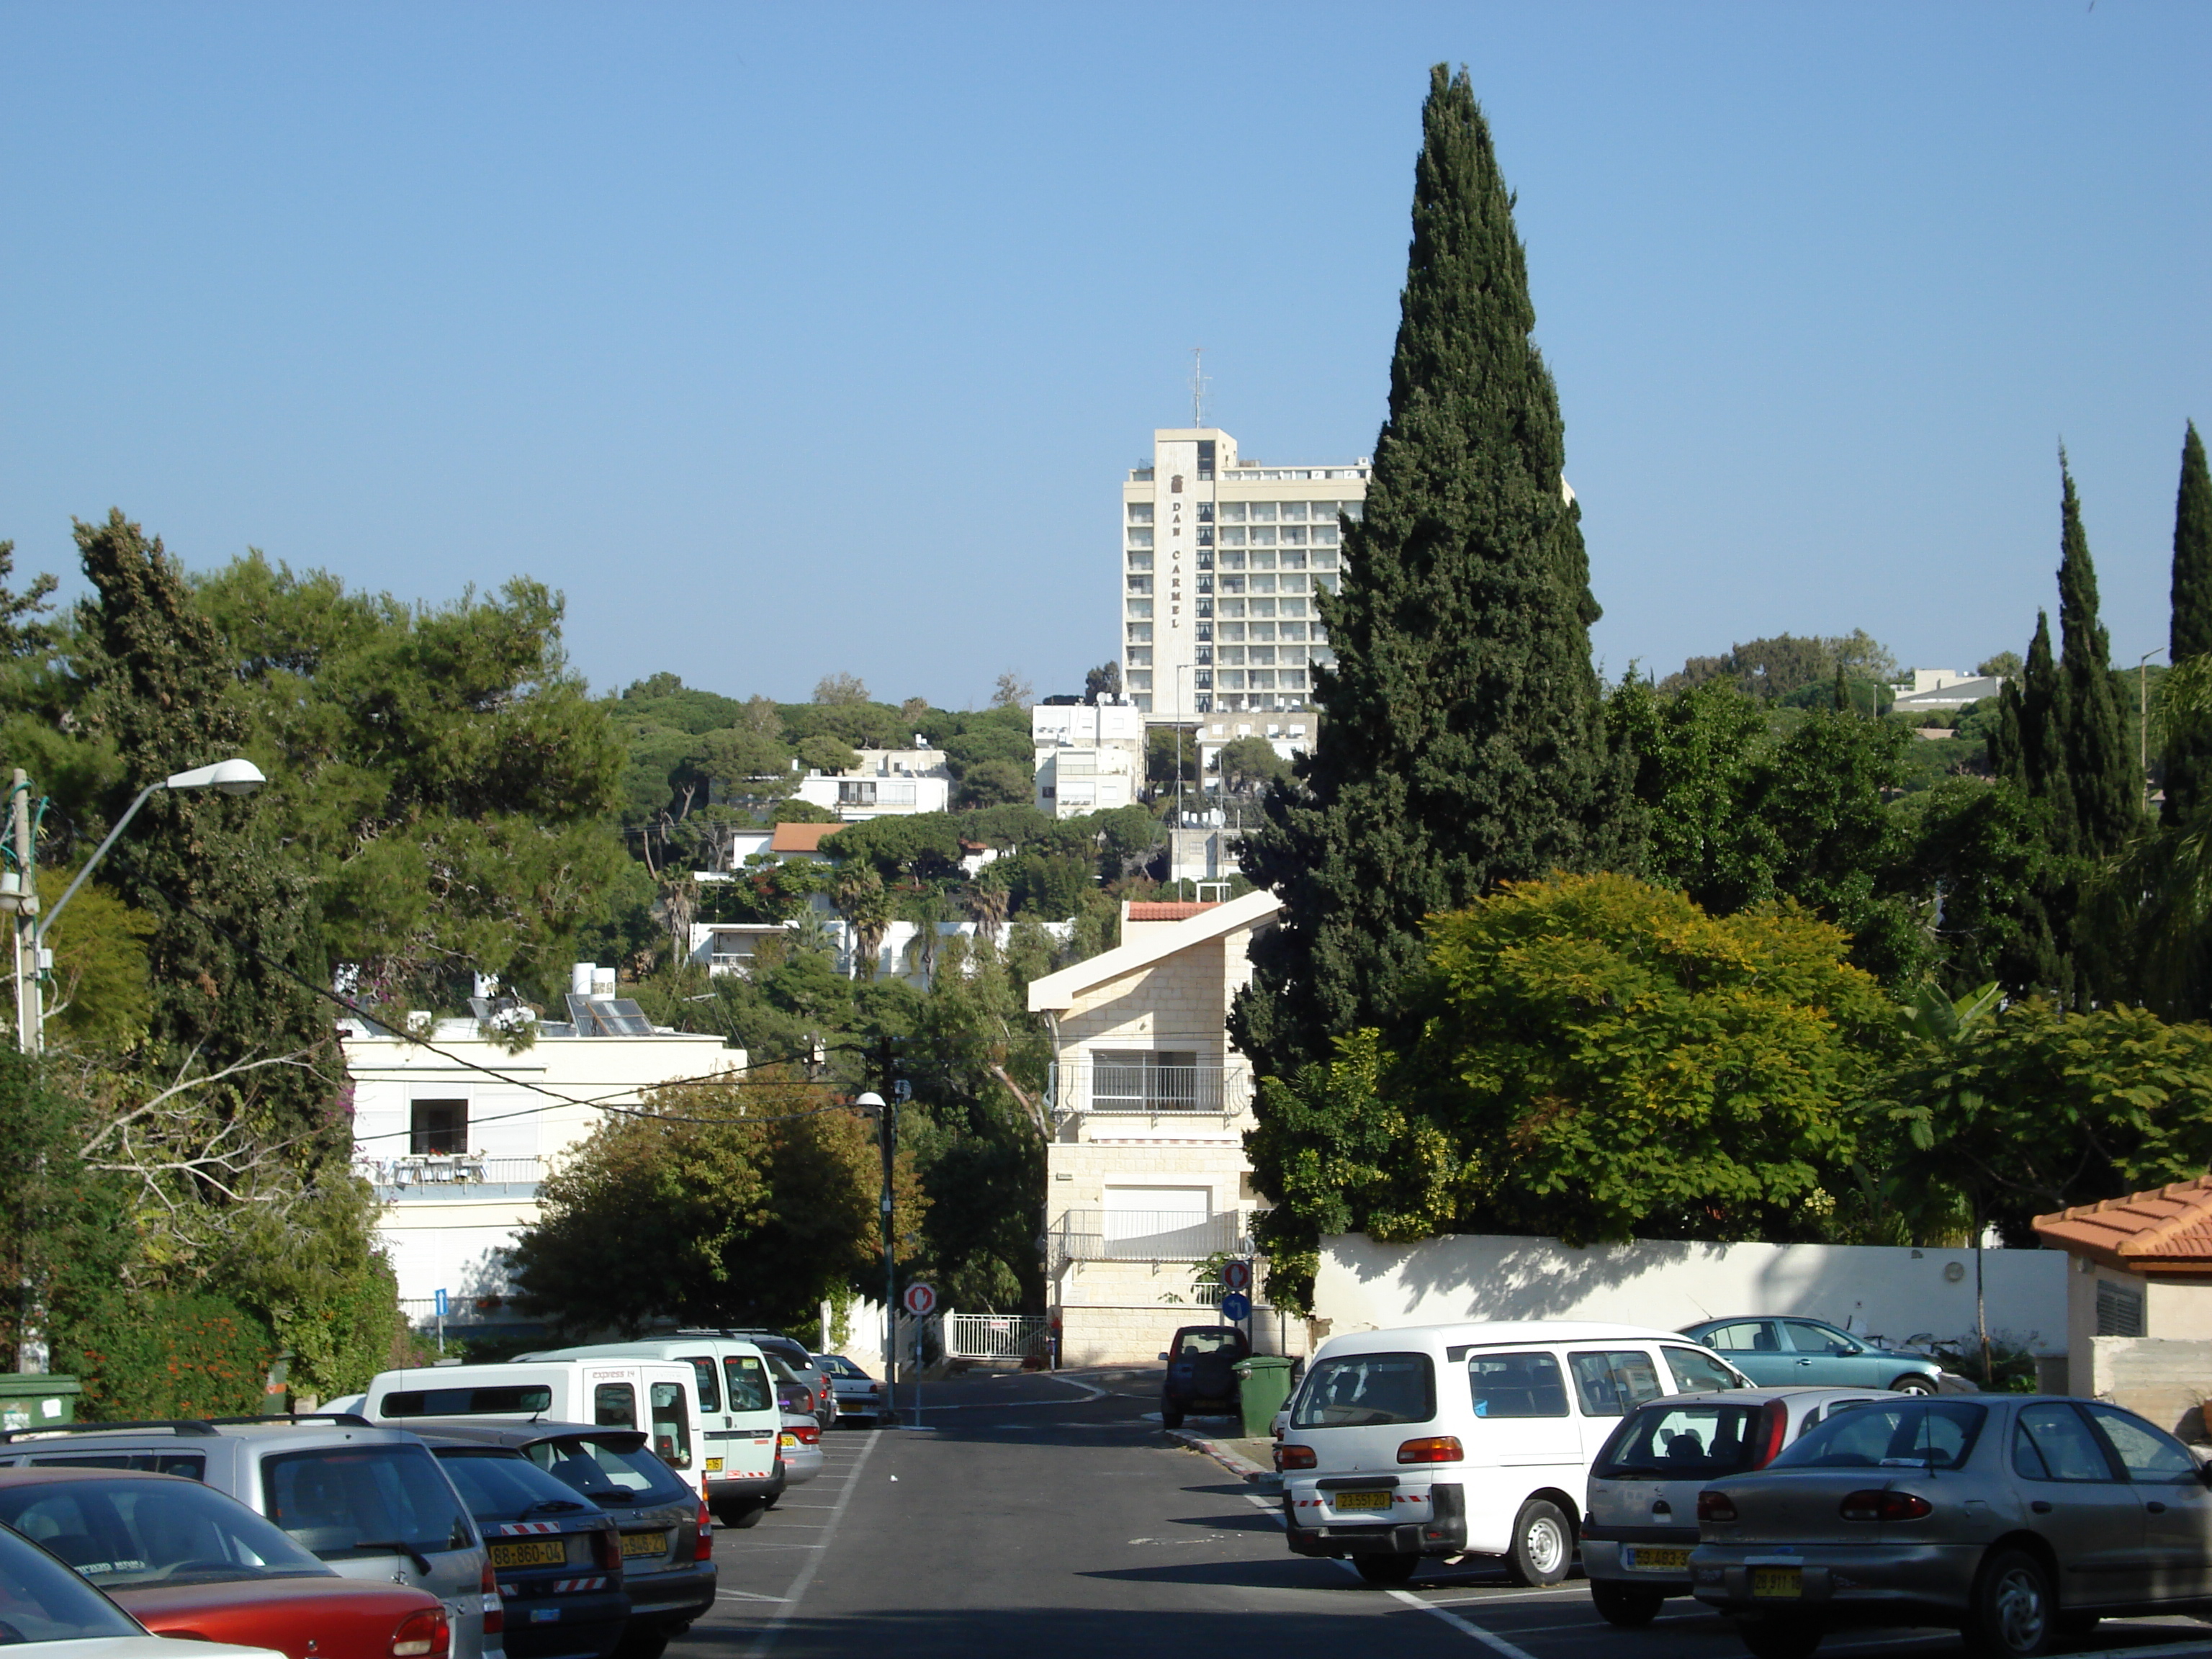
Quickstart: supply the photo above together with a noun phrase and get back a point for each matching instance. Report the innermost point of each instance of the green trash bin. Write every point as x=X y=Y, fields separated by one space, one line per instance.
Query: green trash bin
x=1264 y=1382
x=37 y=1401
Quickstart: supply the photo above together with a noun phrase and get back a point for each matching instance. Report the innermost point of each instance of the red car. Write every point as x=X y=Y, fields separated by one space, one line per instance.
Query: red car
x=185 y=1560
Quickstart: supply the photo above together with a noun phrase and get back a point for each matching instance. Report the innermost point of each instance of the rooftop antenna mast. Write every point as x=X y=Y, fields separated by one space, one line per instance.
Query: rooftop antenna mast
x=1198 y=386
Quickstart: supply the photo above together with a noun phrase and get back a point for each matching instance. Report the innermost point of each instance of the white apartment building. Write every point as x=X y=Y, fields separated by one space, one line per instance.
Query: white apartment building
x=1220 y=560
x=887 y=782
x=1090 y=757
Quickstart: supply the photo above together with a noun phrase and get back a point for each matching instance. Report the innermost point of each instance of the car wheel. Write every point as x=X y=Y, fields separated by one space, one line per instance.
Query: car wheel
x=1543 y=1545
x=1914 y=1382
x=1779 y=1638
x=2012 y=1608
x=748 y=1516
x=1169 y=1417
x=1386 y=1572
x=1624 y=1604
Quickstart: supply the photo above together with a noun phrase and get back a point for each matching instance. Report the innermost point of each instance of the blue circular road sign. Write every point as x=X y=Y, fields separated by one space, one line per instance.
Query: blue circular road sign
x=1236 y=1305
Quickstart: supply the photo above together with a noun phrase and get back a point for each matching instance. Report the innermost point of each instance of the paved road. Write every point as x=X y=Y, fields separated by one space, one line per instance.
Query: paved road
x=1045 y=1515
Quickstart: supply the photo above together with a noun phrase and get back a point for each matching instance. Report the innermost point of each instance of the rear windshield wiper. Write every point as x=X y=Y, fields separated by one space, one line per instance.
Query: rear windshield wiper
x=544 y=1504
x=399 y=1547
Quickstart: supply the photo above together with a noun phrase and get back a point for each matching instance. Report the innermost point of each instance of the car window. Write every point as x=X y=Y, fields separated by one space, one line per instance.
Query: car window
x=1194 y=1345
x=748 y=1381
x=1809 y=1336
x=42 y=1601
x=672 y=1428
x=1698 y=1373
x=1681 y=1443
x=192 y=1466
x=522 y=1401
x=710 y=1393
x=2052 y=1443
x=1516 y=1385
x=608 y=1474
x=504 y=1485
x=614 y=1405
x=117 y=1532
x=362 y=1500
x=1609 y=1382
x=2150 y=1455
x=1904 y=1434
x=1744 y=1336
x=1368 y=1388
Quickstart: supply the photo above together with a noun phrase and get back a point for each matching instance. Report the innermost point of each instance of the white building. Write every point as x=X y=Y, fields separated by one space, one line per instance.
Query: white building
x=1090 y=757
x=1944 y=689
x=886 y=781
x=1220 y=558
x=456 y=1133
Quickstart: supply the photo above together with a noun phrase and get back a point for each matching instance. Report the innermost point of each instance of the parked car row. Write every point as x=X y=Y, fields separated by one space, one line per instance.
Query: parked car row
x=1796 y=1510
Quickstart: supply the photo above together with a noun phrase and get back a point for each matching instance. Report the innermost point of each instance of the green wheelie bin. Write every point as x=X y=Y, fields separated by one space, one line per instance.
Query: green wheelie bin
x=1263 y=1383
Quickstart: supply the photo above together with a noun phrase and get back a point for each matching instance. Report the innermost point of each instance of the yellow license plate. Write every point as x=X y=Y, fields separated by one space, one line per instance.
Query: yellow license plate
x=1361 y=1500
x=537 y=1553
x=1780 y=1582
x=714 y=1465
x=645 y=1543
x=1642 y=1559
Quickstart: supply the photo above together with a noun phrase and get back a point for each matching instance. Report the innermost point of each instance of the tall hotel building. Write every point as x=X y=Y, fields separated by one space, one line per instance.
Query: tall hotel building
x=1220 y=560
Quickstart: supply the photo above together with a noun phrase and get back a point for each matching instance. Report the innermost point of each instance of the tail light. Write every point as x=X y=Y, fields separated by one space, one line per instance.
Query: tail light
x=495 y=1609
x=1293 y=1457
x=1871 y=1505
x=426 y=1635
x=704 y=1550
x=1435 y=1448
x=1774 y=1423
x=606 y=1549
x=1714 y=1506
x=808 y=1434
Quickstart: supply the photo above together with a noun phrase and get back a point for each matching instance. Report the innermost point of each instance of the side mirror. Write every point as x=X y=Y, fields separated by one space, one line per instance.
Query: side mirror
x=1163 y=1356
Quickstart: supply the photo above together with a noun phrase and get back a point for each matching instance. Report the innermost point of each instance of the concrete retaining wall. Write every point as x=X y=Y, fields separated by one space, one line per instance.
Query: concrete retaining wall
x=2166 y=1380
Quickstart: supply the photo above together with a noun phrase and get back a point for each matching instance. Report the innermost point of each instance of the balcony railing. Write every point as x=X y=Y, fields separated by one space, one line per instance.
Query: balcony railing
x=1146 y=1235
x=438 y=1173
x=1141 y=1088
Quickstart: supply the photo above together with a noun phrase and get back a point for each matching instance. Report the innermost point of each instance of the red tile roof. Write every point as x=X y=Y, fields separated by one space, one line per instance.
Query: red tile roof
x=800 y=837
x=1169 y=909
x=2168 y=1230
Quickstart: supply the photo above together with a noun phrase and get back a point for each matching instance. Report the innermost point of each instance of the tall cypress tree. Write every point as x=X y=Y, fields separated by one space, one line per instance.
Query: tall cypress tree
x=2102 y=770
x=1461 y=743
x=2188 y=760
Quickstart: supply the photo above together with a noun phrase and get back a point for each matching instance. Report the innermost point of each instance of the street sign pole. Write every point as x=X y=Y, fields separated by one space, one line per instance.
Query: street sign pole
x=920 y=1303
x=442 y=1323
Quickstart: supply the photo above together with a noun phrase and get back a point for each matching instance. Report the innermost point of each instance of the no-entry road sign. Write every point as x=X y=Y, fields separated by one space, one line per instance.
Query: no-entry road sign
x=920 y=1300
x=1236 y=1275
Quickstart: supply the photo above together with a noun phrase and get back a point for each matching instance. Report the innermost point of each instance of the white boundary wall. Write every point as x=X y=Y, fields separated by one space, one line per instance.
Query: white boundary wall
x=1894 y=1293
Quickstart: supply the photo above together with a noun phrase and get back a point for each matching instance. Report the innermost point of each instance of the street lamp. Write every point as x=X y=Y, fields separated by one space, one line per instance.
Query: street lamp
x=231 y=777
x=872 y=1101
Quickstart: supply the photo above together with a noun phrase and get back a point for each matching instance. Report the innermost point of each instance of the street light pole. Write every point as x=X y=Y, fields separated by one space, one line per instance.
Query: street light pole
x=885 y=1118
x=2142 y=719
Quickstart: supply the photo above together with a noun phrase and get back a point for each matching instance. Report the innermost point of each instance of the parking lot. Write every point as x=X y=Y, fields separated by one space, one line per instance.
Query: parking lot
x=1052 y=1515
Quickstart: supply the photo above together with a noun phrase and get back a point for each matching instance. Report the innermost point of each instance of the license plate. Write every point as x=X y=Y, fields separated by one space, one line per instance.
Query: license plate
x=645 y=1543
x=1361 y=1500
x=1644 y=1559
x=714 y=1465
x=538 y=1553
x=1779 y=1582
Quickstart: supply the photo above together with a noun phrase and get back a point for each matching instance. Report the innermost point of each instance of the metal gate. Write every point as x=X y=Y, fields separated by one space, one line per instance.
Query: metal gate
x=994 y=1336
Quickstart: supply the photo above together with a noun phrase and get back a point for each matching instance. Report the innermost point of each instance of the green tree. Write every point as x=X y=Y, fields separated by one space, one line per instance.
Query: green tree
x=1462 y=743
x=2188 y=759
x=996 y=783
x=2100 y=764
x=1247 y=763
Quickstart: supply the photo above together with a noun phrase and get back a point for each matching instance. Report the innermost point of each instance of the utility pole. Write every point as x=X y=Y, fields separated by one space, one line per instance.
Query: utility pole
x=29 y=1038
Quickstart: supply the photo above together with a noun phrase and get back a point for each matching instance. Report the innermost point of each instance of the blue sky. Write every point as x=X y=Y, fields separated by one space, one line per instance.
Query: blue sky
x=790 y=340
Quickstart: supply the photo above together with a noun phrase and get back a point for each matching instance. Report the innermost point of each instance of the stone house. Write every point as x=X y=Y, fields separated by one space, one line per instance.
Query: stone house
x=1147 y=1174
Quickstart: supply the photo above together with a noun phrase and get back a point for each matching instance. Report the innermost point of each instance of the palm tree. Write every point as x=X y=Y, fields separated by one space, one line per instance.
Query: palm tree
x=990 y=899
x=866 y=904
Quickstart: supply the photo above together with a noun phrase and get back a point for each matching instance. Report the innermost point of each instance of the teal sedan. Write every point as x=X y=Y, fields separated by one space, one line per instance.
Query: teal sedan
x=1776 y=1352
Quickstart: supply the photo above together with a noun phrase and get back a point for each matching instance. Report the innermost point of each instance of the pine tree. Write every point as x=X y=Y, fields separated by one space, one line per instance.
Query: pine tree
x=1461 y=743
x=2188 y=760
x=2100 y=768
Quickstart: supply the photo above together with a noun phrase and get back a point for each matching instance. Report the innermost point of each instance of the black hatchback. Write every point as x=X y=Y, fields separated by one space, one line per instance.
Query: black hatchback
x=667 y=1538
x=558 y=1557
x=1198 y=1377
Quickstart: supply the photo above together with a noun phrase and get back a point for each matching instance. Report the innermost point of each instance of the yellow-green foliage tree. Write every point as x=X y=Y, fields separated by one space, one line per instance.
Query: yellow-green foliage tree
x=1597 y=1059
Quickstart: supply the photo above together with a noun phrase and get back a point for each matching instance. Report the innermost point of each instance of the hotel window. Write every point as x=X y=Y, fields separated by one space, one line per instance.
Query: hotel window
x=1201 y=607
x=1261 y=679
x=1140 y=584
x=1262 y=584
x=1292 y=558
x=1260 y=631
x=1205 y=535
x=1204 y=459
x=1294 y=536
x=1263 y=513
x=1140 y=610
x=1232 y=656
x=1231 y=679
x=1324 y=558
x=1140 y=632
x=1232 y=513
x=1327 y=583
x=1260 y=655
x=1232 y=607
x=1140 y=539
x=1205 y=512
x=1205 y=583
x=1205 y=629
x=1263 y=536
x=1140 y=562
x=1233 y=535
x=1293 y=679
x=1141 y=656
x=1205 y=559
x=1351 y=510
x=1263 y=561
x=1294 y=511
x=1141 y=512
x=1231 y=583
x=1261 y=607
x=1290 y=630
x=1231 y=559
x=1325 y=535
x=438 y=1128
x=1230 y=630
x=1293 y=584
x=1205 y=654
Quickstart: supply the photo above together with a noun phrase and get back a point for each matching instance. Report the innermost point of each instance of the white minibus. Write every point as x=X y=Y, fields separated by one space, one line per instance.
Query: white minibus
x=1477 y=1439
x=738 y=1420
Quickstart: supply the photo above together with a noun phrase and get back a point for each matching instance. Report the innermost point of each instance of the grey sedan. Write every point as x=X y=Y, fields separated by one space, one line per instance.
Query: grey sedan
x=2013 y=1519
x=1777 y=1352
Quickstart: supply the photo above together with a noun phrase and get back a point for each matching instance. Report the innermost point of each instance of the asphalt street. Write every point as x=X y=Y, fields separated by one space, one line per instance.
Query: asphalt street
x=1050 y=1515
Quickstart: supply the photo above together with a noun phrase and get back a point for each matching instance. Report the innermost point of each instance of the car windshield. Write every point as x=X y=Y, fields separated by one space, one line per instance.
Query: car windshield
x=1681 y=1443
x=119 y=1532
x=498 y=1484
x=1193 y=1345
x=1936 y=1434
x=364 y=1500
x=838 y=1365
x=1366 y=1388
x=609 y=1476
x=42 y=1601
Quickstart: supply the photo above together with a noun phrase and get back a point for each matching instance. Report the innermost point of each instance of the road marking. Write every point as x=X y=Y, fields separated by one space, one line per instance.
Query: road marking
x=745 y=1595
x=805 y=1579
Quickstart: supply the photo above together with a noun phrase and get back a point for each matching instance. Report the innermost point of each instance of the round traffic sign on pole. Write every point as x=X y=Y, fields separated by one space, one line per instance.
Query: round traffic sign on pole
x=1236 y=1275
x=920 y=1300
x=1236 y=1305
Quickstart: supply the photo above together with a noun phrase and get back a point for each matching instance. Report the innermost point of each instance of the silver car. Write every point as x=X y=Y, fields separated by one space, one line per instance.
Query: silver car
x=2013 y=1519
x=856 y=1393
x=1641 y=1521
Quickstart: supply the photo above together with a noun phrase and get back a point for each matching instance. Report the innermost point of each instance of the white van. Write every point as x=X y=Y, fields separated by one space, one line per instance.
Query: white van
x=1476 y=1439
x=618 y=1393
x=739 y=1423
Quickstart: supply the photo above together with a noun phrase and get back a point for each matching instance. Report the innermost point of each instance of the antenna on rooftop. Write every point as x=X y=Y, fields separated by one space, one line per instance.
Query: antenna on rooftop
x=1198 y=386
